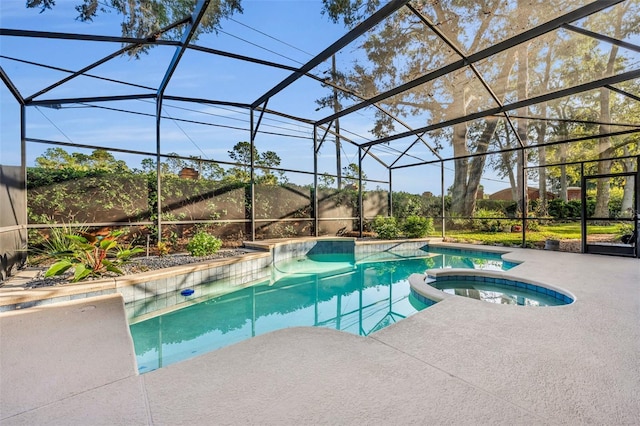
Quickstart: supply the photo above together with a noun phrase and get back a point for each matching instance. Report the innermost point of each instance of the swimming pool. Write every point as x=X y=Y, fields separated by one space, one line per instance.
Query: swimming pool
x=324 y=290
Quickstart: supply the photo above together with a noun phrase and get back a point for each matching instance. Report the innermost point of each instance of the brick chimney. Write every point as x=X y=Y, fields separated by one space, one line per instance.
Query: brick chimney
x=189 y=173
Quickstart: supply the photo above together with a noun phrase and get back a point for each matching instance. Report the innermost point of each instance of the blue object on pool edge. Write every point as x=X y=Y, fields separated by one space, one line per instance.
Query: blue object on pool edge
x=187 y=292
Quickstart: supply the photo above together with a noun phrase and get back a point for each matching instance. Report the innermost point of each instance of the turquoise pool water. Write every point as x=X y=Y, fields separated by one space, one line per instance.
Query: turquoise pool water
x=499 y=294
x=324 y=291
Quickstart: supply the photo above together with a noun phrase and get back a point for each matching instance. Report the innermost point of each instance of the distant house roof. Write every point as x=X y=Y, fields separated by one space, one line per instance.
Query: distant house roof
x=532 y=193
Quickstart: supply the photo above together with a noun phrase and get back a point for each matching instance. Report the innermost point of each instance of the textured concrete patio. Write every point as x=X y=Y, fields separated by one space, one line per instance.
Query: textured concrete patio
x=460 y=361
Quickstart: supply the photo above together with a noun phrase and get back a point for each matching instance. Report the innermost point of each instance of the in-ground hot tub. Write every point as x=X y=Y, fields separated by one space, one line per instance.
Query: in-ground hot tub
x=487 y=288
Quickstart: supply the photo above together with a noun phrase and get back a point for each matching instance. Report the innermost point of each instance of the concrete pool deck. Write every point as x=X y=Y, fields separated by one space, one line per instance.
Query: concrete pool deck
x=460 y=361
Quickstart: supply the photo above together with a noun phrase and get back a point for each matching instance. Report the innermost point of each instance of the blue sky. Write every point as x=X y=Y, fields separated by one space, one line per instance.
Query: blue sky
x=299 y=23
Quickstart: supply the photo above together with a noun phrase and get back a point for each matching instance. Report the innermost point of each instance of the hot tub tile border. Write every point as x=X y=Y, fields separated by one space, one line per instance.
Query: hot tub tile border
x=556 y=294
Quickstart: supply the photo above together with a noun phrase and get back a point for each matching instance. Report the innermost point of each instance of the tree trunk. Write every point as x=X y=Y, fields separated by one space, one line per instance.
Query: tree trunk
x=543 y=204
x=506 y=161
x=604 y=146
x=523 y=83
x=564 y=134
x=514 y=184
x=627 y=207
x=468 y=173
x=477 y=165
x=627 y=198
x=604 y=143
x=461 y=168
x=563 y=172
x=542 y=176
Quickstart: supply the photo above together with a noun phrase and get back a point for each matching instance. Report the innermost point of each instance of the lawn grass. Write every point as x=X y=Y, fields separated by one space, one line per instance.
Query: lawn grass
x=561 y=231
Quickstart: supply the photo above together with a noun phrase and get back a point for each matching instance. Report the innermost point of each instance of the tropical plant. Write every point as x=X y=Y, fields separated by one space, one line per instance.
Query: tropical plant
x=91 y=256
x=203 y=244
x=56 y=240
x=163 y=248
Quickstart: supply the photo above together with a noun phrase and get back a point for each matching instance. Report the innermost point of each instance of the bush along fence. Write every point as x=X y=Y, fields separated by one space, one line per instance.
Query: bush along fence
x=129 y=198
x=223 y=207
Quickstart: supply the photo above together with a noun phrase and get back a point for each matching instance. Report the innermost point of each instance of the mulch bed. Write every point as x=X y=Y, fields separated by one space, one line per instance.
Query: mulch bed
x=136 y=266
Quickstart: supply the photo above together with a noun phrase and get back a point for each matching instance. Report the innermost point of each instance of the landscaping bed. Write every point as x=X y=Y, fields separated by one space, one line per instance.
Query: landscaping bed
x=136 y=265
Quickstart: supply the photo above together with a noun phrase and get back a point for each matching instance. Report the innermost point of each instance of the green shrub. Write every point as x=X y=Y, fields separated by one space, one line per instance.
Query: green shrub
x=626 y=233
x=203 y=244
x=405 y=204
x=512 y=209
x=615 y=201
x=533 y=225
x=417 y=226
x=487 y=220
x=456 y=222
x=385 y=227
x=505 y=206
x=572 y=209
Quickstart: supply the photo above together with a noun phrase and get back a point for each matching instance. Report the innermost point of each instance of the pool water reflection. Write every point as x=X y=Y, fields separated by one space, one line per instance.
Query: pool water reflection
x=324 y=291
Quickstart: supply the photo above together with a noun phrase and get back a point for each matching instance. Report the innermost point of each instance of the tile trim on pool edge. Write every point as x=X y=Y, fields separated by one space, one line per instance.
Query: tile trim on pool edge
x=420 y=287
